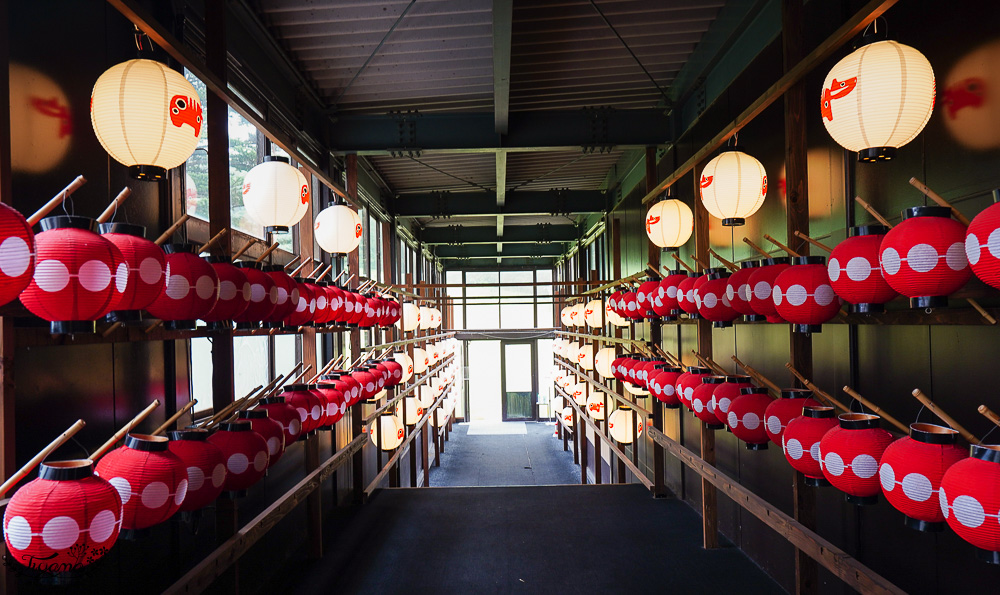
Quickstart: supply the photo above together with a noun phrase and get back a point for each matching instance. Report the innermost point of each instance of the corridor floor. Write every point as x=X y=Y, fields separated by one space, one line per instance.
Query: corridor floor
x=511 y=459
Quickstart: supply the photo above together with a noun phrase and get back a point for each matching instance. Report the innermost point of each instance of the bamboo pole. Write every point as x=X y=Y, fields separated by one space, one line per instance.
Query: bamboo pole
x=780 y=245
x=821 y=394
x=871 y=211
x=709 y=363
x=107 y=332
x=983 y=409
x=245 y=247
x=269 y=250
x=816 y=243
x=125 y=430
x=703 y=266
x=969 y=436
x=173 y=418
x=222 y=413
x=682 y=263
x=982 y=311
x=653 y=270
x=295 y=272
x=154 y=326
x=212 y=242
x=337 y=278
x=757 y=375
x=322 y=273
x=290 y=262
x=877 y=410
x=165 y=236
x=729 y=265
x=38 y=458
x=111 y=208
x=56 y=200
x=938 y=199
x=301 y=374
x=757 y=248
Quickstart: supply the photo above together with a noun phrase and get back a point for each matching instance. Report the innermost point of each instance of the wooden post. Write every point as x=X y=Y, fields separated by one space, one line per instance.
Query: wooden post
x=797 y=219
x=354 y=268
x=655 y=335
x=709 y=499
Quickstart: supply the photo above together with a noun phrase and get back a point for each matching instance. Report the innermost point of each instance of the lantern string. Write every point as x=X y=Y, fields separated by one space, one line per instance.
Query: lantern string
x=985 y=436
x=86 y=451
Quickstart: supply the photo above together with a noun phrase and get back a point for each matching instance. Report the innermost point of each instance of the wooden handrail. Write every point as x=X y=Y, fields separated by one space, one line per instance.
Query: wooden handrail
x=611 y=393
x=403 y=342
x=404 y=393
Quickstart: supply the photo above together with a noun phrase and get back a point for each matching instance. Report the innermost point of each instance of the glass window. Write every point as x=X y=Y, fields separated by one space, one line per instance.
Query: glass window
x=457 y=313
x=517 y=316
x=374 y=249
x=284 y=353
x=249 y=363
x=196 y=167
x=242 y=158
x=545 y=376
x=483 y=316
x=201 y=374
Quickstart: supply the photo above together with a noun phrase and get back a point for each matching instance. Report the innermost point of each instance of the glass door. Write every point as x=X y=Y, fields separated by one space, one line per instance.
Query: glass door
x=519 y=387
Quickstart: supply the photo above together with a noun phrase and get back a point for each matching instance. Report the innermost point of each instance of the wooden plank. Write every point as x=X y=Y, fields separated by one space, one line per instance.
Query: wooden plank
x=855 y=574
x=854 y=26
x=201 y=576
x=354 y=268
x=656 y=336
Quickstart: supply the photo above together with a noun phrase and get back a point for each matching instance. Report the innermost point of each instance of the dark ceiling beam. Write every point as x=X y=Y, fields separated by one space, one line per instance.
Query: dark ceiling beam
x=490 y=264
x=518 y=202
x=531 y=130
x=541 y=233
x=503 y=15
x=509 y=250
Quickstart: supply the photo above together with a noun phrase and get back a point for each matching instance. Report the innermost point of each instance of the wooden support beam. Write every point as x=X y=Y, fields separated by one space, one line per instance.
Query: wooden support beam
x=354 y=268
x=656 y=337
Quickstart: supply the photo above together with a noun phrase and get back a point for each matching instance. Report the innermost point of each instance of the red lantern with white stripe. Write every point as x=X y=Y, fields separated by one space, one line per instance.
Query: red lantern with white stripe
x=714 y=303
x=151 y=481
x=269 y=429
x=924 y=257
x=803 y=295
x=854 y=270
x=664 y=386
x=762 y=287
x=726 y=393
x=911 y=472
x=263 y=295
x=685 y=295
x=367 y=381
x=688 y=381
x=234 y=293
x=800 y=442
x=788 y=407
x=739 y=290
x=146 y=264
x=630 y=306
x=206 y=467
x=702 y=403
x=346 y=384
x=645 y=296
x=66 y=519
x=308 y=405
x=74 y=277
x=304 y=307
x=336 y=404
x=245 y=452
x=285 y=414
x=850 y=454
x=970 y=500
x=982 y=245
x=746 y=417
x=287 y=298
x=665 y=302
x=17 y=254
x=192 y=289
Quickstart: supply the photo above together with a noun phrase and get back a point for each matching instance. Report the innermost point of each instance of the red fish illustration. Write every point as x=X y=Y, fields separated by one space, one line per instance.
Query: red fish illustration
x=246 y=187
x=650 y=221
x=706 y=181
x=357 y=230
x=970 y=92
x=305 y=194
x=51 y=107
x=837 y=90
x=185 y=110
x=763 y=190
x=596 y=407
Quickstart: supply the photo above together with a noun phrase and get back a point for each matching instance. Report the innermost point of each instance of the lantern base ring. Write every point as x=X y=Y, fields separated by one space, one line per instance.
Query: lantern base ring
x=866 y=308
x=861 y=500
x=754 y=318
x=276 y=229
x=807 y=328
x=72 y=327
x=734 y=221
x=988 y=556
x=672 y=405
x=694 y=316
x=126 y=317
x=873 y=154
x=147 y=172
x=925 y=526
x=713 y=427
x=929 y=301
x=816 y=482
x=755 y=446
x=180 y=325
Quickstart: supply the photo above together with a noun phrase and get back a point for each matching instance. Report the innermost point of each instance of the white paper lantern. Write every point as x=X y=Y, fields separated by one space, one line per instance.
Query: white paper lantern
x=146 y=116
x=411 y=410
x=669 y=223
x=407 y=363
x=593 y=313
x=426 y=396
x=602 y=361
x=392 y=431
x=571 y=352
x=425 y=318
x=41 y=121
x=585 y=357
x=576 y=314
x=420 y=360
x=614 y=319
x=410 y=318
x=877 y=99
x=566 y=383
x=557 y=405
x=567 y=416
x=436 y=318
x=733 y=186
x=564 y=316
x=635 y=390
x=579 y=393
x=595 y=405
x=622 y=425
x=275 y=194
x=440 y=417
x=378 y=396
x=338 y=229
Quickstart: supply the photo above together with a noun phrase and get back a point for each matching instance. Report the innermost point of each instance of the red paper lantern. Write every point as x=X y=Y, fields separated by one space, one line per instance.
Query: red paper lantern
x=17 y=254
x=359 y=310
x=685 y=295
x=694 y=294
x=308 y=405
x=367 y=381
x=287 y=299
x=146 y=264
x=924 y=257
x=762 y=287
x=270 y=430
x=336 y=404
x=316 y=292
x=614 y=302
x=395 y=372
x=323 y=306
x=702 y=403
x=119 y=279
x=234 y=293
x=970 y=500
x=151 y=481
x=664 y=386
x=263 y=296
x=245 y=452
x=911 y=471
x=788 y=407
x=982 y=245
x=649 y=369
x=803 y=295
x=66 y=519
x=618 y=369
x=739 y=290
x=346 y=384
x=335 y=297
x=73 y=282
x=206 y=467
x=304 y=308
x=630 y=306
x=665 y=300
x=854 y=271
x=726 y=393
x=645 y=295
x=688 y=381
x=286 y=415
x=632 y=369
x=746 y=417
x=850 y=454
x=192 y=289
x=800 y=442
x=714 y=304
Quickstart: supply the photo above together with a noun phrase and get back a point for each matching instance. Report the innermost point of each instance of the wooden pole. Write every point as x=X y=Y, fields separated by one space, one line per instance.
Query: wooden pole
x=245 y=247
x=110 y=210
x=939 y=200
x=983 y=409
x=165 y=236
x=38 y=458
x=290 y=262
x=816 y=243
x=871 y=211
x=729 y=265
x=757 y=248
x=215 y=240
x=780 y=245
x=757 y=375
x=969 y=436
x=877 y=410
x=125 y=430
x=821 y=394
x=682 y=263
x=173 y=418
x=56 y=200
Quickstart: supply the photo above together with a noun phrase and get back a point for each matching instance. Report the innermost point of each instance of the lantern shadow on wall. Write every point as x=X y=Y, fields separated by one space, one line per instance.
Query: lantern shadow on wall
x=970 y=107
x=41 y=122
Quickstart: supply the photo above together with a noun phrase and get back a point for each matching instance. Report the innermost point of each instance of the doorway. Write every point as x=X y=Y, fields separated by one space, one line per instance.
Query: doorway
x=519 y=385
